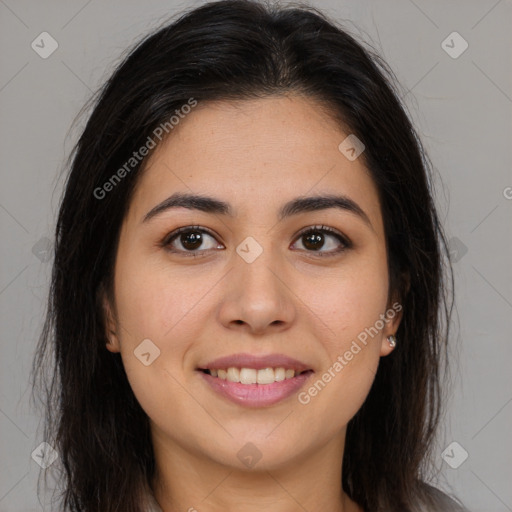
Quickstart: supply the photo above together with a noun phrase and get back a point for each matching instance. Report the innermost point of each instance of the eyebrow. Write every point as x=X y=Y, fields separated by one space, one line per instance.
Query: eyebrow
x=294 y=207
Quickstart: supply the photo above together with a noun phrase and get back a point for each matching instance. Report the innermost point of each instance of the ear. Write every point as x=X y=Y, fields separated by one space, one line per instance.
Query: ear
x=393 y=317
x=111 y=328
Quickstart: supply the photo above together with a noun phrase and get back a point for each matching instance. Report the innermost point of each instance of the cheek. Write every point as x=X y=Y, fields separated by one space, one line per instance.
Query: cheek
x=335 y=394
x=347 y=304
x=155 y=303
x=351 y=348
x=169 y=309
x=152 y=318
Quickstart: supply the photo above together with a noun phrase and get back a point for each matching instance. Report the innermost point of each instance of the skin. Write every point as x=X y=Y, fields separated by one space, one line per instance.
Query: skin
x=256 y=155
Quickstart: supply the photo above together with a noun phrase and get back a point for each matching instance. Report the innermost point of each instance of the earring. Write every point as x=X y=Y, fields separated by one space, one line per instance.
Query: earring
x=392 y=341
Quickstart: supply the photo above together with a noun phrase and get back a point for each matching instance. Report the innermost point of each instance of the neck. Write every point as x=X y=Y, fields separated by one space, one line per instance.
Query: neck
x=186 y=481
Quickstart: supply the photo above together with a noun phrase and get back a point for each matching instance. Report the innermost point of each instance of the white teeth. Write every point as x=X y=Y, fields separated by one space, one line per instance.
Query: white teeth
x=233 y=375
x=248 y=376
x=265 y=376
x=253 y=376
x=289 y=374
x=280 y=374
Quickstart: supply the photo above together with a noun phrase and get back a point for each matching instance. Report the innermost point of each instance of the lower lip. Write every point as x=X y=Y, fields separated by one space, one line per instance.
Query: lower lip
x=256 y=395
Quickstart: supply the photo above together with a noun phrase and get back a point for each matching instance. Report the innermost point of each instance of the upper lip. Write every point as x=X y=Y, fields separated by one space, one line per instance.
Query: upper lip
x=256 y=362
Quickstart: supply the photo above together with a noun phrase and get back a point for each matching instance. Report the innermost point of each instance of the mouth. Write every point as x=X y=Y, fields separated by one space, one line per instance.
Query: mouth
x=251 y=376
x=255 y=381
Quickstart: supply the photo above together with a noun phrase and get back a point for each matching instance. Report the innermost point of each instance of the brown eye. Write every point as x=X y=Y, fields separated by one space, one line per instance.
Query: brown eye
x=313 y=241
x=190 y=241
x=319 y=237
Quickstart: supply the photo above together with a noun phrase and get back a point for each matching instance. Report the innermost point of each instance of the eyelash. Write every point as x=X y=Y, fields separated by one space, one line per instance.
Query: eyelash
x=166 y=242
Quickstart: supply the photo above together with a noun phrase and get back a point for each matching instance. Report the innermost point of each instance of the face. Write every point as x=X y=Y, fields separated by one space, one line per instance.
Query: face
x=303 y=289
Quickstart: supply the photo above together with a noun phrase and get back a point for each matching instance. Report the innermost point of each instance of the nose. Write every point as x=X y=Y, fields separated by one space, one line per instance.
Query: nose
x=257 y=298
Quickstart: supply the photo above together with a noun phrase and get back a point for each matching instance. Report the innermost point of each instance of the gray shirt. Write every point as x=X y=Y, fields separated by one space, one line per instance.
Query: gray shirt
x=439 y=502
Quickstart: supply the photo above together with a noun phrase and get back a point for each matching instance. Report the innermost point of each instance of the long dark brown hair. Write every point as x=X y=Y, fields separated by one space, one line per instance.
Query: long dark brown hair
x=236 y=50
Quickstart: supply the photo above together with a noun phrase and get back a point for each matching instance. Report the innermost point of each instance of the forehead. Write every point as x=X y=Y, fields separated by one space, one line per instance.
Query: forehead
x=256 y=155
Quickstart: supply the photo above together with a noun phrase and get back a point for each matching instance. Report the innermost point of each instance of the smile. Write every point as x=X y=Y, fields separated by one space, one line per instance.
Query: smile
x=242 y=387
x=254 y=376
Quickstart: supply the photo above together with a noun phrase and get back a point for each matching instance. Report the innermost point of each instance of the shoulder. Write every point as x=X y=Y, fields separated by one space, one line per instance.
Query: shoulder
x=152 y=504
x=435 y=500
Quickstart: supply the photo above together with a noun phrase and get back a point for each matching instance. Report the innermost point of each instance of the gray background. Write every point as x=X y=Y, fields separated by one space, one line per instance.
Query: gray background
x=462 y=107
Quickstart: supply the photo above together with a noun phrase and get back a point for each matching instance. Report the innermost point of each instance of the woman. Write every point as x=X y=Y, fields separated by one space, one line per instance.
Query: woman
x=248 y=287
